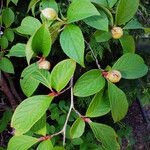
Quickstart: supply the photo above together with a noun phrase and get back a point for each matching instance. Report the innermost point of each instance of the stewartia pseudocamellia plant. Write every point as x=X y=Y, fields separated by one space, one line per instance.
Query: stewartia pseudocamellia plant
x=42 y=31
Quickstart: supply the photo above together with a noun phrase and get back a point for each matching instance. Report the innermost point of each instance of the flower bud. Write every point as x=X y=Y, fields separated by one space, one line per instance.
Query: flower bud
x=49 y=13
x=113 y=76
x=44 y=64
x=117 y=32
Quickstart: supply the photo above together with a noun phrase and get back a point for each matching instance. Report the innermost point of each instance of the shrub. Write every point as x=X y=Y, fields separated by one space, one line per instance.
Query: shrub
x=83 y=46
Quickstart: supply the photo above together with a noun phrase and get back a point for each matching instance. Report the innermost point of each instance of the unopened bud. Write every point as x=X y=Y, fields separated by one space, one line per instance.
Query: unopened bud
x=44 y=64
x=49 y=13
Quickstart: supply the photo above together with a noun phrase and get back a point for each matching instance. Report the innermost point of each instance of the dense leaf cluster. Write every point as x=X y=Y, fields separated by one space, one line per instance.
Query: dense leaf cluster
x=66 y=30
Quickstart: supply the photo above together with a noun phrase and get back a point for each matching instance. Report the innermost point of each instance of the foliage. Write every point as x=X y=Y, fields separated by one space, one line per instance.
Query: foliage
x=38 y=120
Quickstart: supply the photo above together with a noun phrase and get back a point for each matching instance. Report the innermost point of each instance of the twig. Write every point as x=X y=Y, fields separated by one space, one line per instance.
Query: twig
x=68 y=115
x=84 y=118
x=96 y=60
x=59 y=20
x=12 y=87
x=63 y=91
x=1 y=21
x=63 y=131
x=55 y=134
x=6 y=90
x=53 y=93
x=77 y=112
x=62 y=28
x=4 y=107
x=1 y=7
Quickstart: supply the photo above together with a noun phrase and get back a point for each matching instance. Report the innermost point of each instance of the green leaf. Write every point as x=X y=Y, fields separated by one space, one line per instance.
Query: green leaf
x=29 y=51
x=41 y=41
x=89 y=57
x=89 y=83
x=99 y=48
x=58 y=148
x=133 y=24
x=15 y=1
x=49 y=4
x=5 y=120
x=17 y=50
x=86 y=146
x=45 y=145
x=1 y=19
x=28 y=85
x=131 y=66
x=78 y=10
x=40 y=126
x=61 y=119
x=144 y=98
x=106 y=135
x=99 y=105
x=6 y=65
x=98 y=22
x=42 y=76
x=102 y=36
x=50 y=129
x=7 y=2
x=30 y=69
x=8 y=17
x=118 y=102
x=22 y=142
x=126 y=10
x=77 y=141
x=33 y=10
x=29 y=112
x=72 y=43
x=3 y=42
x=128 y=44
x=111 y=3
x=147 y=30
x=9 y=34
x=54 y=30
x=29 y=25
x=32 y=3
x=100 y=2
x=62 y=73
x=45 y=21
x=1 y=148
x=77 y=128
x=105 y=8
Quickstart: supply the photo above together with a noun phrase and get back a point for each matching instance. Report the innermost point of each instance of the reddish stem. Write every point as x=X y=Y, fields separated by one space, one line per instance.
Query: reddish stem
x=104 y=73
x=44 y=138
x=52 y=94
x=41 y=59
x=85 y=119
